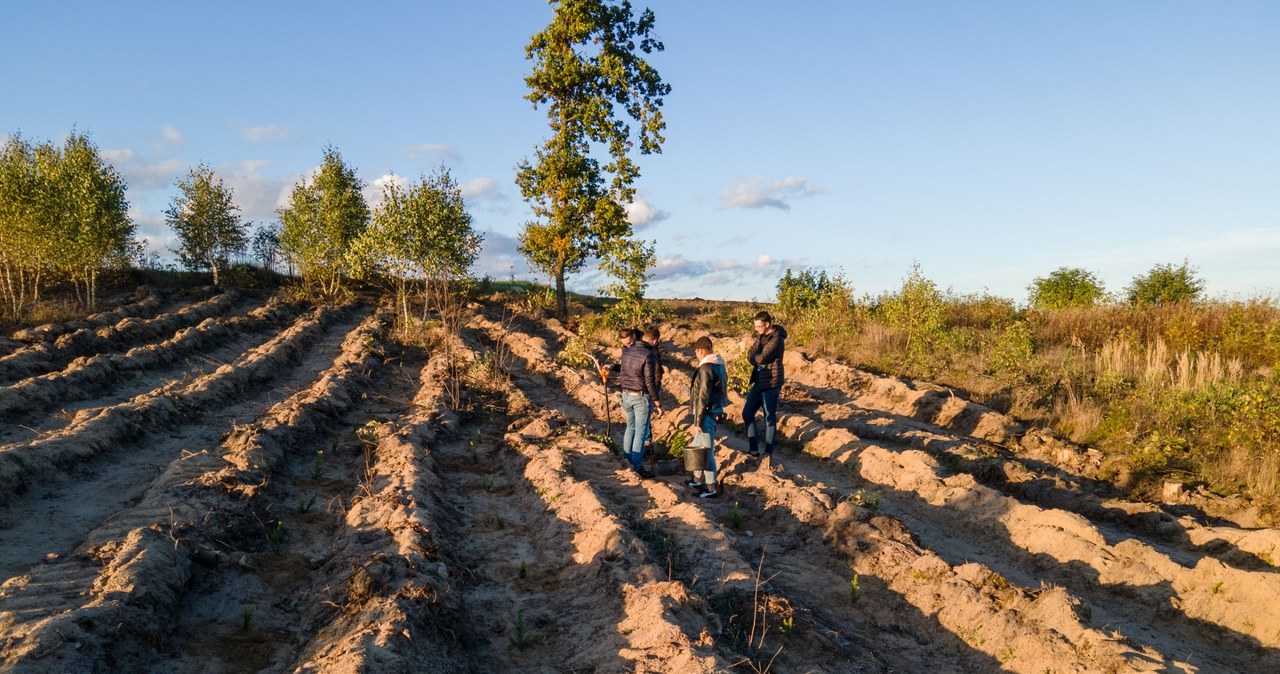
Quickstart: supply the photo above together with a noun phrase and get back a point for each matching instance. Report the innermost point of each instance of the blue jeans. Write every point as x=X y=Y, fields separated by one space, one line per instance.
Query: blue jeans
x=636 y=407
x=757 y=399
x=708 y=476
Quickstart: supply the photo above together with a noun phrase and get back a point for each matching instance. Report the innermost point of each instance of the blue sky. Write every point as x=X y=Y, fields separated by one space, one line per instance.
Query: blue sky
x=991 y=142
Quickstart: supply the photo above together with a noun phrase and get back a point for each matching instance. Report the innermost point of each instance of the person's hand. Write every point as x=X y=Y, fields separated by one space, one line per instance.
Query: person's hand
x=604 y=373
x=657 y=409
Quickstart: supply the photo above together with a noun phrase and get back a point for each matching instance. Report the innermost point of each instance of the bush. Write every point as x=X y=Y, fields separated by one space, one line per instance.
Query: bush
x=1165 y=284
x=1064 y=288
x=916 y=310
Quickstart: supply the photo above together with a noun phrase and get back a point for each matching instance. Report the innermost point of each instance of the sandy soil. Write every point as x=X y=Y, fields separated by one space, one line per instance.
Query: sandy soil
x=225 y=483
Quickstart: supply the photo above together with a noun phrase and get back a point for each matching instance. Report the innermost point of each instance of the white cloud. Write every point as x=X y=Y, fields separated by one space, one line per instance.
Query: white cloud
x=436 y=151
x=140 y=173
x=257 y=195
x=172 y=136
x=752 y=193
x=265 y=133
x=642 y=214
x=726 y=270
x=373 y=190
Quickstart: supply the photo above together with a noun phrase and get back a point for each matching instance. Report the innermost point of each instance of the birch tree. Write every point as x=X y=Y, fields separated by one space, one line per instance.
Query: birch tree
x=207 y=222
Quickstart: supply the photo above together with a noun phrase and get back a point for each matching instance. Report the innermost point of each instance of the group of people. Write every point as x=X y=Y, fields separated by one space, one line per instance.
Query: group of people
x=640 y=379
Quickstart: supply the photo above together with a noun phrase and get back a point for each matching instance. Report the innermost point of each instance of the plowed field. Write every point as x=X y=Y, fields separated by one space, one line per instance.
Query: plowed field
x=229 y=483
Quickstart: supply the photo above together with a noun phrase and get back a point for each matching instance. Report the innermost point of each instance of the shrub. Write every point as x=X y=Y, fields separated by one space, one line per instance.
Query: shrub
x=916 y=310
x=1066 y=287
x=1165 y=284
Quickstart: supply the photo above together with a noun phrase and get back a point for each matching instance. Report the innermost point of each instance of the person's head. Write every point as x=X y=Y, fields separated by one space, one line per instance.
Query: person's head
x=763 y=322
x=702 y=347
x=628 y=336
x=651 y=335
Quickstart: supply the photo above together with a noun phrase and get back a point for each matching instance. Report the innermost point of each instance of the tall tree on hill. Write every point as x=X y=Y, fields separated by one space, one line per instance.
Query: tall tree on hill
x=590 y=75
x=206 y=221
x=323 y=218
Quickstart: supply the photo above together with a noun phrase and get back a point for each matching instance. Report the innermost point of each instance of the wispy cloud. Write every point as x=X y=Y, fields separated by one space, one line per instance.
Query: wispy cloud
x=722 y=271
x=140 y=173
x=435 y=151
x=172 y=136
x=642 y=214
x=755 y=193
x=265 y=133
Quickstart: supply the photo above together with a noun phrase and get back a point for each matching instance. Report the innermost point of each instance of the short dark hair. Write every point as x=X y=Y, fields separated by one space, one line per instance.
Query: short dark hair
x=703 y=343
x=624 y=333
x=651 y=332
x=763 y=316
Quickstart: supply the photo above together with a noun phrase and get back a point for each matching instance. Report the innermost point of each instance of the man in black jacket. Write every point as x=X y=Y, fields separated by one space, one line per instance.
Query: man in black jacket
x=766 y=382
x=639 y=385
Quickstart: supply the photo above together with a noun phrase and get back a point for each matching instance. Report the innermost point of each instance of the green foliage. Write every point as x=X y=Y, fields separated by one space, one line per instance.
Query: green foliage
x=802 y=292
x=63 y=218
x=916 y=310
x=587 y=69
x=676 y=440
x=1013 y=353
x=1064 y=288
x=324 y=217
x=628 y=262
x=207 y=222
x=1165 y=284
x=420 y=232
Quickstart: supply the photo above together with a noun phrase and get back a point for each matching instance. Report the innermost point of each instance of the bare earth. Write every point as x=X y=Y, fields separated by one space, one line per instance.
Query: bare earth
x=227 y=483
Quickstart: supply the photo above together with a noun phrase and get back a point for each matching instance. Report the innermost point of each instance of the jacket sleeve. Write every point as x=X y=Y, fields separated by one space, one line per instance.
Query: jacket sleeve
x=649 y=378
x=771 y=351
x=700 y=393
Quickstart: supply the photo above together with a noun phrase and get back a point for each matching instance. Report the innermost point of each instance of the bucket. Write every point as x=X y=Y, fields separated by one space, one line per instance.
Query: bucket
x=695 y=458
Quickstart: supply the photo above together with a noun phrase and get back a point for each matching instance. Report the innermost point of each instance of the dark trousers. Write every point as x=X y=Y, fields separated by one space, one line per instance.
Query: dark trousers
x=761 y=399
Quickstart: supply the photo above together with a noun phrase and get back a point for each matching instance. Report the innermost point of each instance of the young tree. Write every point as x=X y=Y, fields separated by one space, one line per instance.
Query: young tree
x=265 y=245
x=1066 y=287
x=628 y=261
x=585 y=67
x=63 y=213
x=323 y=218
x=1165 y=284
x=422 y=232
x=206 y=221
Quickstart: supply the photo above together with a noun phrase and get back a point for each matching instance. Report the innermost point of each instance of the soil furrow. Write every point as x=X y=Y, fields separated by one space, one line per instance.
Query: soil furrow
x=46 y=357
x=145 y=301
x=118 y=631
x=87 y=376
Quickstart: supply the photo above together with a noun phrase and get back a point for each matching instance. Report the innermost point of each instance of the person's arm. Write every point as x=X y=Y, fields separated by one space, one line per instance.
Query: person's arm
x=650 y=382
x=771 y=351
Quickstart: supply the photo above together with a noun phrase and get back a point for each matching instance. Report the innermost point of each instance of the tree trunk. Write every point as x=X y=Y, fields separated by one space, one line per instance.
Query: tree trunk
x=562 y=297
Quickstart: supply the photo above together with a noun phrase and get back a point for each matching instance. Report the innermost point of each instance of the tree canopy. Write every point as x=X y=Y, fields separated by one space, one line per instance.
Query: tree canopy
x=63 y=217
x=324 y=216
x=1165 y=284
x=589 y=73
x=1066 y=287
x=207 y=222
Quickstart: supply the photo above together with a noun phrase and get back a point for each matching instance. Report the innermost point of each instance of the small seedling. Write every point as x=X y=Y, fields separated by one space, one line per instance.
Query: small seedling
x=488 y=485
x=475 y=456
x=305 y=506
x=246 y=616
x=855 y=590
x=1217 y=587
x=524 y=570
x=499 y=522
x=1006 y=655
x=275 y=537
x=522 y=639
x=317 y=468
x=735 y=517
x=788 y=625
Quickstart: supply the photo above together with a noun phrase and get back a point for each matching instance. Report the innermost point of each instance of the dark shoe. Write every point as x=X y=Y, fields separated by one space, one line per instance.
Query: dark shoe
x=709 y=494
x=753 y=455
x=645 y=474
x=699 y=490
x=693 y=484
